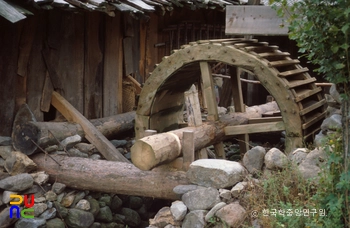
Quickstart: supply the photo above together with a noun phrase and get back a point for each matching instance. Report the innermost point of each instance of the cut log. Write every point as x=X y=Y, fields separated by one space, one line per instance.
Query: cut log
x=46 y=134
x=112 y=177
x=151 y=151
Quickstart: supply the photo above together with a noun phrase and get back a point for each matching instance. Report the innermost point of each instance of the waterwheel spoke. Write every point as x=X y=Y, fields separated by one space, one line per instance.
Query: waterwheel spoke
x=237 y=96
x=210 y=100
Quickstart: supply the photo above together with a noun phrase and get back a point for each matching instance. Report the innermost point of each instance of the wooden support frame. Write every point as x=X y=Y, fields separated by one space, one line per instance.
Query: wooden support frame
x=239 y=105
x=254 y=128
x=104 y=146
x=210 y=98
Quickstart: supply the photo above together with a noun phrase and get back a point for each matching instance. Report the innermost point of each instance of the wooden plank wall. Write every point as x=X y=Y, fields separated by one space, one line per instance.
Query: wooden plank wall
x=86 y=56
x=93 y=82
x=81 y=53
x=8 y=57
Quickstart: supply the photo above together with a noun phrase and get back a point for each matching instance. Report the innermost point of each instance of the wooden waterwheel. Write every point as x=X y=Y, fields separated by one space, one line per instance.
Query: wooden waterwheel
x=300 y=101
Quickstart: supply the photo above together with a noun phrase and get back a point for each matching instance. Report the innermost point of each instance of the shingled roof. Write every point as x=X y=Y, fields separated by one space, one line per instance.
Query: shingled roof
x=15 y=11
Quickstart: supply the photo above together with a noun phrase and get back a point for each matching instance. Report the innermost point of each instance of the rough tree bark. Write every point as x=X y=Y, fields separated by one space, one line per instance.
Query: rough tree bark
x=110 y=176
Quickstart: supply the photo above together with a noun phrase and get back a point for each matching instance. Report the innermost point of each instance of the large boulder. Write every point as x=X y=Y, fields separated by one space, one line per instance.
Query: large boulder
x=253 y=159
x=275 y=159
x=201 y=199
x=310 y=167
x=232 y=214
x=216 y=173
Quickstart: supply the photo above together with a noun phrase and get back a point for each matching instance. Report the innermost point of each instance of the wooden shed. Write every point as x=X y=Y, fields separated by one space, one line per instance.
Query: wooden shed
x=89 y=50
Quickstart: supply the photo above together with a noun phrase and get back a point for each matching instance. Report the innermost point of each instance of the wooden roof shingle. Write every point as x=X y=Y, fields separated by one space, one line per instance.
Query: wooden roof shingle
x=10 y=10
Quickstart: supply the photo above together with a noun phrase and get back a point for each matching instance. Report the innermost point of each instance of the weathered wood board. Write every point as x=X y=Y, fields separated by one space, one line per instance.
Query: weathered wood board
x=113 y=67
x=254 y=20
x=10 y=13
x=93 y=67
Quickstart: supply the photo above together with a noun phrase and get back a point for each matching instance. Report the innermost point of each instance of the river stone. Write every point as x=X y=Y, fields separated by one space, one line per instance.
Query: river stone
x=119 y=143
x=119 y=218
x=201 y=199
x=55 y=223
x=233 y=214
x=78 y=218
x=30 y=223
x=310 y=167
x=225 y=194
x=39 y=208
x=238 y=188
x=68 y=199
x=6 y=196
x=58 y=188
x=62 y=211
x=5 y=141
x=335 y=94
x=105 y=215
x=69 y=142
x=50 y=196
x=253 y=159
x=5 y=151
x=178 y=210
x=83 y=204
x=85 y=148
x=51 y=149
x=298 y=155
x=135 y=202
x=107 y=199
x=96 y=225
x=195 y=219
x=5 y=220
x=275 y=159
x=80 y=195
x=216 y=173
x=19 y=163
x=182 y=189
x=163 y=218
x=116 y=204
x=73 y=152
x=212 y=211
x=18 y=182
x=132 y=218
x=94 y=206
x=40 y=177
x=143 y=212
x=332 y=123
x=48 y=214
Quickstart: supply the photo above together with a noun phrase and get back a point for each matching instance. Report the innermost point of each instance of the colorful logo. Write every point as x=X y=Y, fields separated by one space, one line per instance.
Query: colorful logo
x=26 y=212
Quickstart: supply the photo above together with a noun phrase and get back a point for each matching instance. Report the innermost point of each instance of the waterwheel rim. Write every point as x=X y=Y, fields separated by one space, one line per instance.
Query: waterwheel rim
x=301 y=102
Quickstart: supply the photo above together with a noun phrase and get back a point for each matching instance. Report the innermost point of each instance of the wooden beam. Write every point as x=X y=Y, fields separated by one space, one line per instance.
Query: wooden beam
x=254 y=128
x=104 y=146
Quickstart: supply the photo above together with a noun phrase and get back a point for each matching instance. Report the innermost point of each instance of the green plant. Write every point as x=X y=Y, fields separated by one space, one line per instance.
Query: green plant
x=216 y=222
x=279 y=196
x=321 y=29
x=332 y=185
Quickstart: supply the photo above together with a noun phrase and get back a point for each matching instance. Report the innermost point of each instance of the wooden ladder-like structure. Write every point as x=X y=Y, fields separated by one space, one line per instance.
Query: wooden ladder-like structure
x=301 y=102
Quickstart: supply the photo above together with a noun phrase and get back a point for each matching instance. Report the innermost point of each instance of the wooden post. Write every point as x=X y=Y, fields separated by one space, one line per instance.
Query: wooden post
x=237 y=95
x=194 y=116
x=150 y=132
x=209 y=94
x=187 y=149
x=104 y=146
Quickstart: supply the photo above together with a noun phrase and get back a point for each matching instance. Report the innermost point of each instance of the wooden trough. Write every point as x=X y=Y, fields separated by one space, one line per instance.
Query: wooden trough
x=301 y=102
